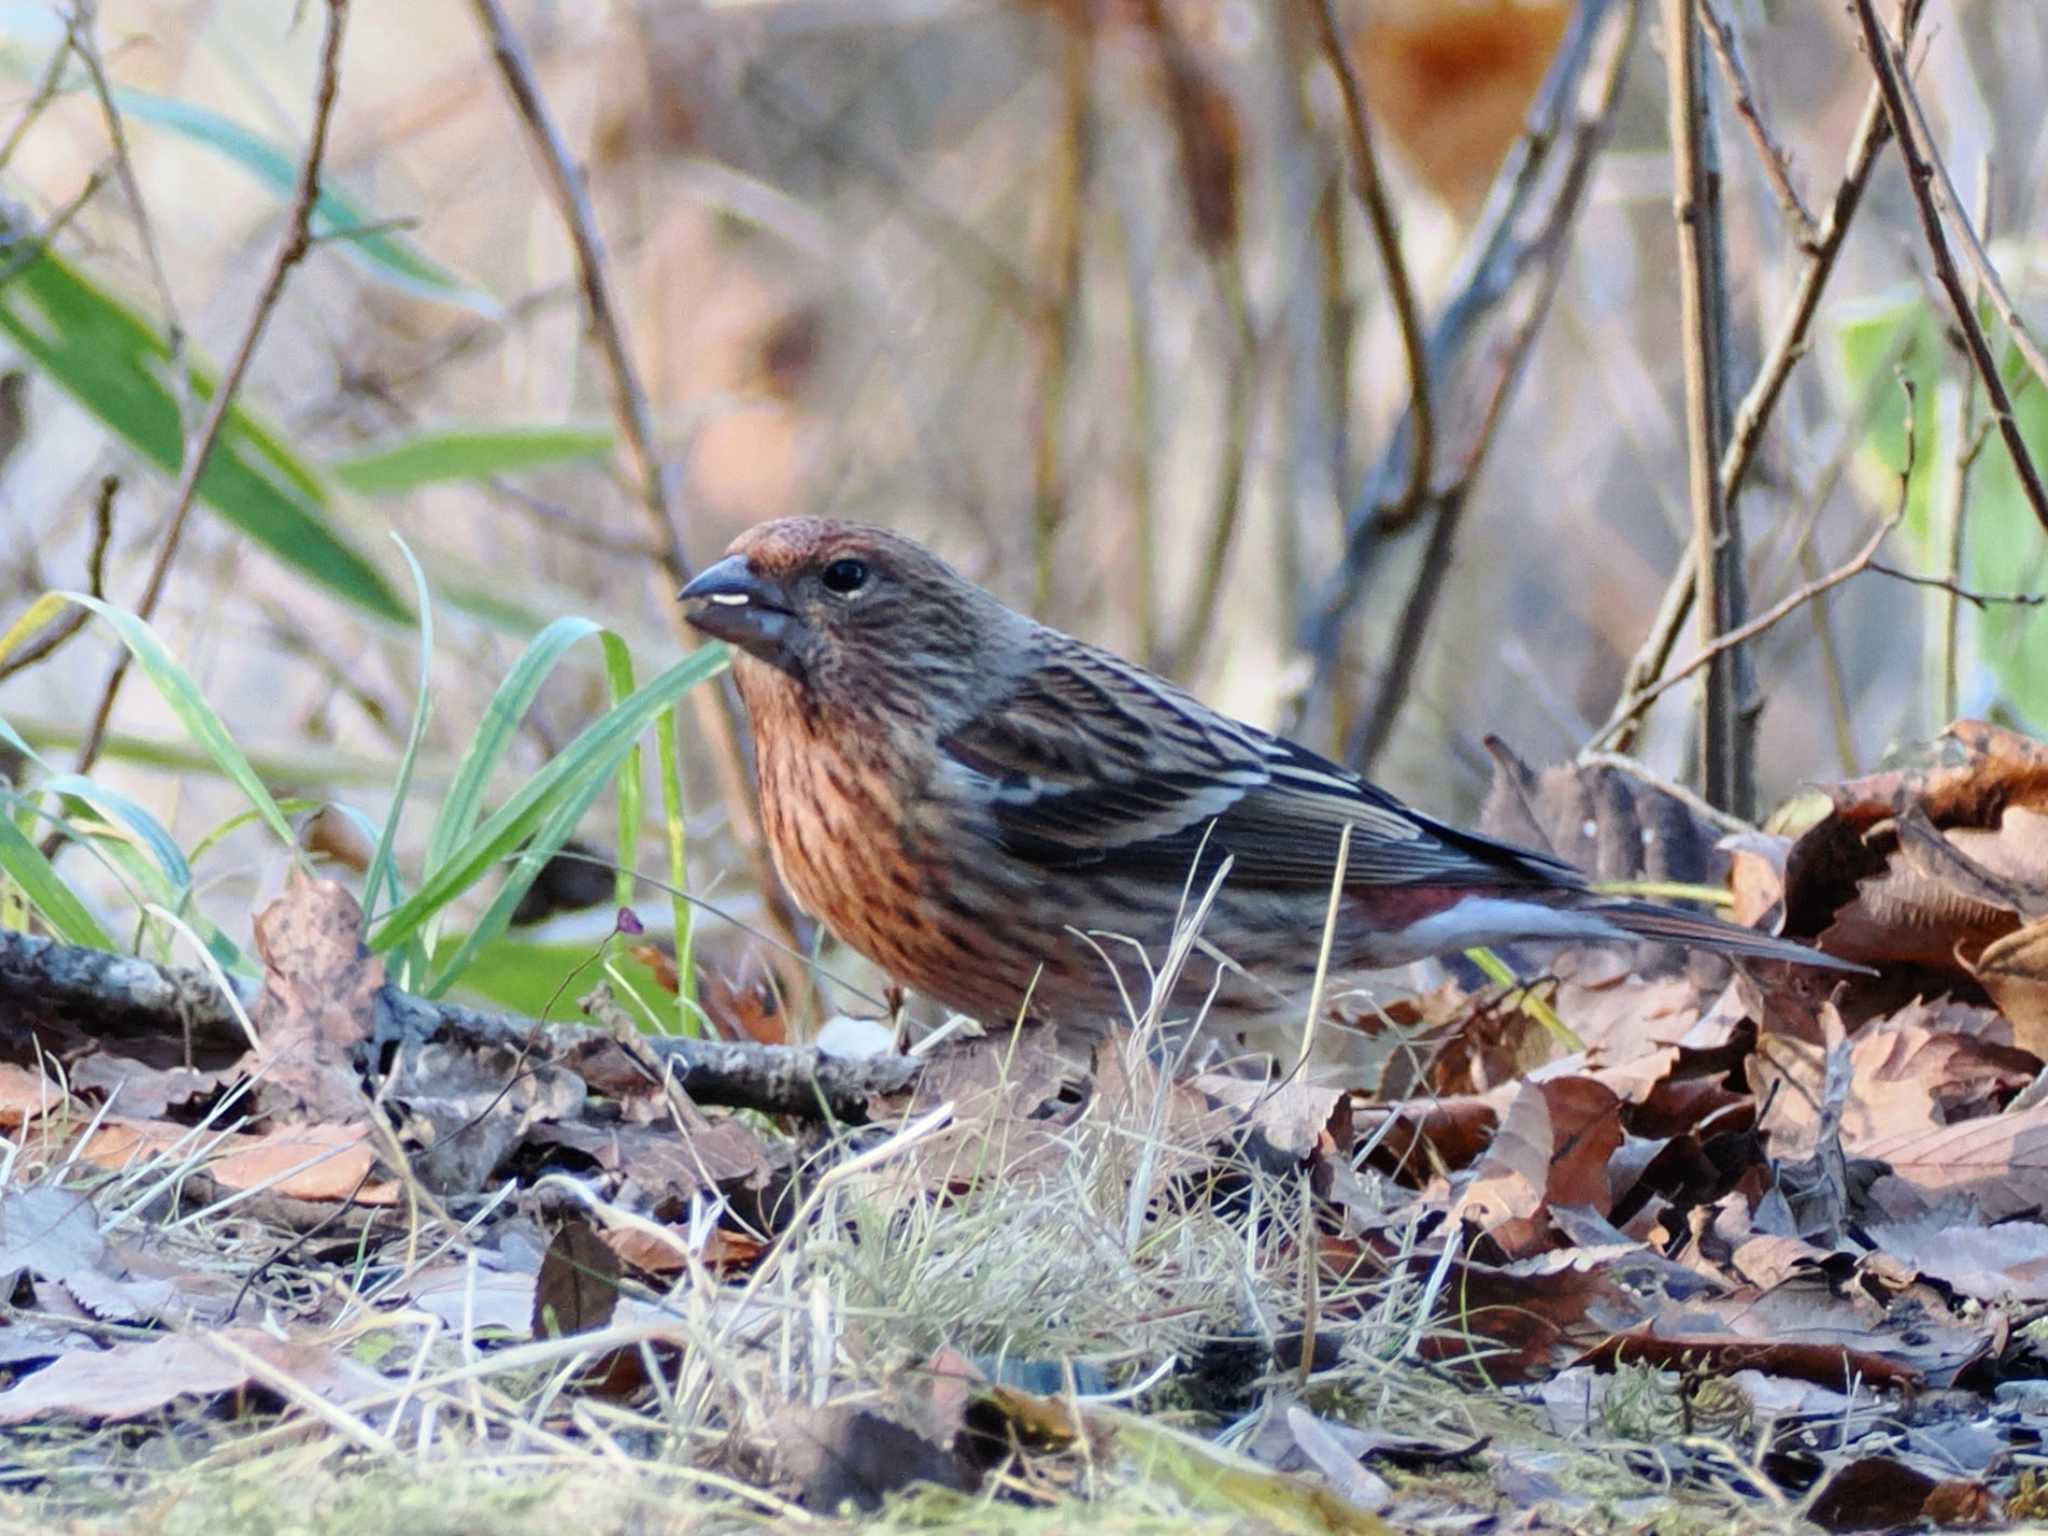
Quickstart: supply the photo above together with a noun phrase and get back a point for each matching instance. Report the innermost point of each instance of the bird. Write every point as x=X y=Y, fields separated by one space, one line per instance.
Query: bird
x=1016 y=824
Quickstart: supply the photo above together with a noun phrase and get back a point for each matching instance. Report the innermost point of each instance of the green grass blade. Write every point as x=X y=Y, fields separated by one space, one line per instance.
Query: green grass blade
x=618 y=671
x=423 y=707
x=152 y=833
x=463 y=804
x=674 y=815
x=383 y=253
x=465 y=453
x=23 y=863
x=546 y=841
x=114 y=363
x=569 y=776
x=174 y=684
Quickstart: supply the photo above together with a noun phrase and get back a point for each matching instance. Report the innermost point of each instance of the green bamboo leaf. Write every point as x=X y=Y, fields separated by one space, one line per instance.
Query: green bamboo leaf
x=381 y=866
x=23 y=862
x=571 y=776
x=463 y=803
x=153 y=835
x=177 y=689
x=465 y=453
x=112 y=361
x=382 y=252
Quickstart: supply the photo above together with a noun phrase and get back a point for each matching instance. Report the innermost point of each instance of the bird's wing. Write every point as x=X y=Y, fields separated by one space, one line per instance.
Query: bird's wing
x=1092 y=761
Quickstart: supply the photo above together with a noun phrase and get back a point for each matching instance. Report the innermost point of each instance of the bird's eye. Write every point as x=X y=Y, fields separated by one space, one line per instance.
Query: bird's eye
x=846 y=577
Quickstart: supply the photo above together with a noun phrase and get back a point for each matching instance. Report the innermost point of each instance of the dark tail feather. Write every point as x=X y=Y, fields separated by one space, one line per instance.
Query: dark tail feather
x=1670 y=925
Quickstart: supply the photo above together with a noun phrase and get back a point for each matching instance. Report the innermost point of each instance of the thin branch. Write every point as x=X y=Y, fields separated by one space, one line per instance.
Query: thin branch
x=1920 y=173
x=1726 y=743
x=1058 y=316
x=1777 y=166
x=1386 y=236
x=1864 y=559
x=1944 y=192
x=291 y=250
x=47 y=643
x=715 y=708
x=80 y=32
x=1965 y=594
x=1758 y=406
x=1537 y=261
x=1498 y=257
x=44 y=93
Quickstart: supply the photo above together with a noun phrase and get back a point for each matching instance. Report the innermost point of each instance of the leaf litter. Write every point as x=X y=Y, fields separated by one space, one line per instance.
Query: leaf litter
x=1767 y=1245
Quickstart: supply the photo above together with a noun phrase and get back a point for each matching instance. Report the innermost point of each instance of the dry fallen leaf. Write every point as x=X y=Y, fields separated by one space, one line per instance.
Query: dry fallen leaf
x=2014 y=970
x=127 y=1380
x=25 y=1095
x=303 y=1162
x=318 y=1005
x=54 y=1235
x=577 y=1290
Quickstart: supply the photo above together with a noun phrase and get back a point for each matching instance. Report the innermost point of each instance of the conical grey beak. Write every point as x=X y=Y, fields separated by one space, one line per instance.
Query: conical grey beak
x=730 y=601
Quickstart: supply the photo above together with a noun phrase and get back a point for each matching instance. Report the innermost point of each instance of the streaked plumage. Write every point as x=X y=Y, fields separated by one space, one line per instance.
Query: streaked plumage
x=961 y=793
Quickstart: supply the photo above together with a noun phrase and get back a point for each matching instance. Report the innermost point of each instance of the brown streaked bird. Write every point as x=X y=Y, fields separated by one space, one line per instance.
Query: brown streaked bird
x=993 y=811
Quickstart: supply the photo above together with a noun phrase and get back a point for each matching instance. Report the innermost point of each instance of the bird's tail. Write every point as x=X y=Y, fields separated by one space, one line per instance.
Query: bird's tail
x=1671 y=925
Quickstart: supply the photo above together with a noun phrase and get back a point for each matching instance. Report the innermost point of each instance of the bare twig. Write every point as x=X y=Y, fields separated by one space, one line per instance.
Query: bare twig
x=1861 y=561
x=1962 y=593
x=1943 y=188
x=1754 y=414
x=291 y=250
x=1920 y=173
x=1726 y=744
x=38 y=101
x=715 y=707
x=73 y=620
x=1970 y=438
x=1497 y=265
x=1386 y=234
x=81 y=33
x=1058 y=317
x=1777 y=167
x=1536 y=259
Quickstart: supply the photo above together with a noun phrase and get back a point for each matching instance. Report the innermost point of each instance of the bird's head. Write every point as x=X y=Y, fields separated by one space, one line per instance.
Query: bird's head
x=841 y=608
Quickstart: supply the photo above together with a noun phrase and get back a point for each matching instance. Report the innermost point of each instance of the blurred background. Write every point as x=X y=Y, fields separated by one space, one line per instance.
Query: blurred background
x=1079 y=291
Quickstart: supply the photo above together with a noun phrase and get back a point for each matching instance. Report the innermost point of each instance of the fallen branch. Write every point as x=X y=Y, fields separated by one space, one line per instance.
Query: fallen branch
x=123 y=999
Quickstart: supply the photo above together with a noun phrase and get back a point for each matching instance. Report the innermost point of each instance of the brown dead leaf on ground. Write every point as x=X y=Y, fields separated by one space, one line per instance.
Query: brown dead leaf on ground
x=1805 y=1329
x=302 y=1162
x=1904 y=1076
x=54 y=1236
x=1876 y=1493
x=461 y=1111
x=577 y=1289
x=1998 y=1162
x=1552 y=1147
x=25 y=1095
x=2014 y=971
x=128 y=1380
x=2008 y=1261
x=141 y=1091
x=1922 y=862
x=318 y=1004
x=659 y=1167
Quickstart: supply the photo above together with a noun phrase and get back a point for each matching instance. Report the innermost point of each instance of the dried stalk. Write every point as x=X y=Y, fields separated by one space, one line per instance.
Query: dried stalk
x=1754 y=414
x=1921 y=174
x=1727 y=768
x=296 y=241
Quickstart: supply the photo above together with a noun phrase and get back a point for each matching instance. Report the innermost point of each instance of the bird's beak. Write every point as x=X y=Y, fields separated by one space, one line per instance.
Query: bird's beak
x=729 y=601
